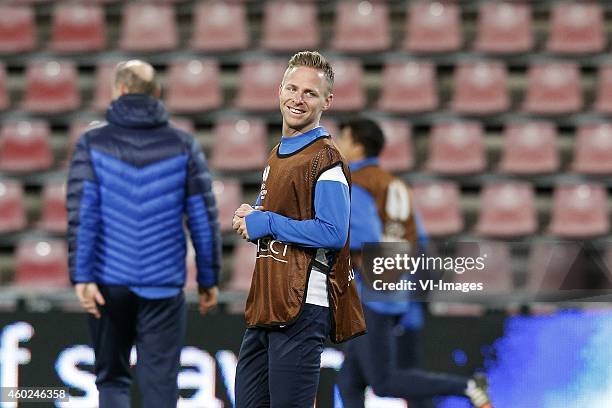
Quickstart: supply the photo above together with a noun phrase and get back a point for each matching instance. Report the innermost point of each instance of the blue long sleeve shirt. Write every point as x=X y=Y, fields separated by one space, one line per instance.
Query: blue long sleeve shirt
x=329 y=228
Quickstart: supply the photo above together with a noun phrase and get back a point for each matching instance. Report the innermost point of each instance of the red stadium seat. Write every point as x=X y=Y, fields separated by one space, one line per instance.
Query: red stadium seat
x=51 y=87
x=576 y=28
x=54 y=218
x=349 y=91
x=290 y=26
x=593 y=149
x=507 y=209
x=361 y=26
x=220 y=26
x=242 y=268
x=433 y=26
x=398 y=153
x=12 y=207
x=228 y=194
x=530 y=148
x=41 y=263
x=17 y=29
x=456 y=148
x=78 y=28
x=439 y=205
x=194 y=86
x=481 y=88
x=25 y=146
x=553 y=89
x=504 y=28
x=4 y=97
x=496 y=276
x=148 y=27
x=240 y=144
x=603 y=100
x=580 y=211
x=408 y=86
x=103 y=92
x=259 y=82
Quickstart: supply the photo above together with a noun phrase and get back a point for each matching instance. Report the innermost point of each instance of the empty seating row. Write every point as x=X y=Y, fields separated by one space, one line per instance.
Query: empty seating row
x=41 y=263
x=359 y=26
x=194 y=86
x=508 y=209
x=455 y=147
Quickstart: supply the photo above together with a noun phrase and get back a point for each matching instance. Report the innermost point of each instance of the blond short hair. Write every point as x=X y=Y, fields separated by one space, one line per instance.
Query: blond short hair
x=313 y=59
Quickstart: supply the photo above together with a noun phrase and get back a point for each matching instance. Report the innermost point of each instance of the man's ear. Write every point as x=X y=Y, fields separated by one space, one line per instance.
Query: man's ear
x=328 y=101
x=157 y=92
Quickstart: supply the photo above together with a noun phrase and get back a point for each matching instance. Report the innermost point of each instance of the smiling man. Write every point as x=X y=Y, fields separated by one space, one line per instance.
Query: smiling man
x=302 y=290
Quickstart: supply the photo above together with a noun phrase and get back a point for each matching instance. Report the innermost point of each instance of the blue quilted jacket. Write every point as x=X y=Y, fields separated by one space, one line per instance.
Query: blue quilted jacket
x=132 y=183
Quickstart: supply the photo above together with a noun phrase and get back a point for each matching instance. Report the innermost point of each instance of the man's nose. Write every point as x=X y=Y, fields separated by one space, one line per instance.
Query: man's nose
x=298 y=97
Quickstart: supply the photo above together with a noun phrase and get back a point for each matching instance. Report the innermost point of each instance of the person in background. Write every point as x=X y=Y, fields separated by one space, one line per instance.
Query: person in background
x=382 y=210
x=131 y=182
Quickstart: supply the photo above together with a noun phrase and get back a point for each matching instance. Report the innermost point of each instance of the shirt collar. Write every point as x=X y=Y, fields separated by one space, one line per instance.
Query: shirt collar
x=289 y=145
x=359 y=164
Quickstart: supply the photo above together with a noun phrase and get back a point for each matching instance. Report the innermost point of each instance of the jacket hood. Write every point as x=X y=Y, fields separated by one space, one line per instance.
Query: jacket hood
x=137 y=111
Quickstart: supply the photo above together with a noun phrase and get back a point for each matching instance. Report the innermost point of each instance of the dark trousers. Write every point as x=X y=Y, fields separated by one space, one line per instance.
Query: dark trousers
x=372 y=360
x=157 y=328
x=280 y=368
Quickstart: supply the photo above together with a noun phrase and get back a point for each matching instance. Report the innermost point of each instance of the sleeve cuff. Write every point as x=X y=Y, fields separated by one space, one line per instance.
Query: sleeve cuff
x=258 y=224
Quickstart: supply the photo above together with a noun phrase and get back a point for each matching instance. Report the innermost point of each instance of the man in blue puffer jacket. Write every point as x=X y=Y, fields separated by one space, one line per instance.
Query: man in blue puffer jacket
x=132 y=181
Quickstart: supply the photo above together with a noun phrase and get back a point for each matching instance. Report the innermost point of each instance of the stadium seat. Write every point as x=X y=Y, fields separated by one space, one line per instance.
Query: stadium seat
x=530 y=148
x=481 y=88
x=504 y=28
x=258 y=86
x=4 y=97
x=220 y=26
x=78 y=28
x=194 y=86
x=148 y=27
x=433 y=26
x=349 y=90
x=593 y=149
x=507 y=209
x=25 y=146
x=242 y=268
x=228 y=194
x=553 y=89
x=54 y=217
x=361 y=26
x=240 y=144
x=408 y=87
x=290 y=26
x=456 y=148
x=496 y=276
x=439 y=205
x=41 y=263
x=576 y=28
x=51 y=87
x=580 y=211
x=17 y=29
x=603 y=99
x=398 y=153
x=103 y=92
x=12 y=206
